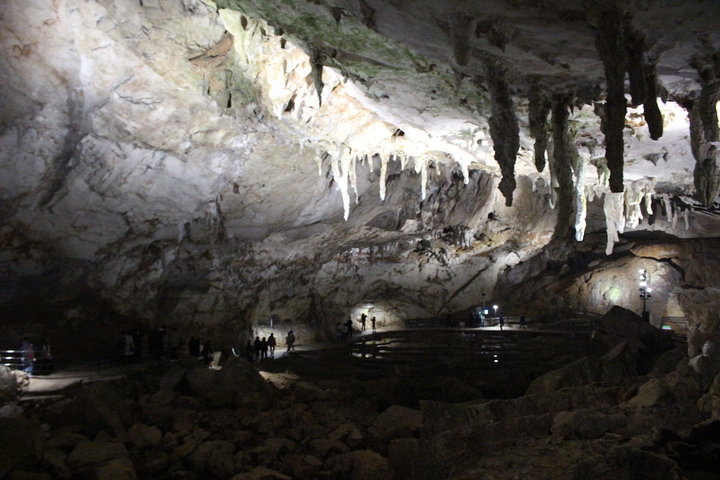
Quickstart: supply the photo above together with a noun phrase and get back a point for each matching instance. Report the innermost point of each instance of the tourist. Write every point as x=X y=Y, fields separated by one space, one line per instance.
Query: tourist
x=206 y=352
x=194 y=347
x=348 y=327
x=28 y=356
x=272 y=342
x=363 y=321
x=249 y=350
x=501 y=322
x=257 y=346
x=290 y=341
x=522 y=321
x=372 y=322
x=128 y=347
x=264 y=348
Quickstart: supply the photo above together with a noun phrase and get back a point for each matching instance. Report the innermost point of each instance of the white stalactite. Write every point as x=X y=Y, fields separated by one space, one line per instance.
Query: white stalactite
x=614 y=218
x=383 y=175
x=686 y=217
x=353 y=178
x=580 y=201
x=421 y=168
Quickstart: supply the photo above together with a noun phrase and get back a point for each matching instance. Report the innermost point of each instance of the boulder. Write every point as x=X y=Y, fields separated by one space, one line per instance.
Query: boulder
x=21 y=443
x=226 y=387
x=647 y=341
x=273 y=448
x=116 y=469
x=143 y=436
x=94 y=452
x=348 y=433
x=216 y=456
x=261 y=473
x=360 y=465
x=8 y=385
x=585 y=423
x=396 y=422
x=580 y=372
x=323 y=447
x=25 y=475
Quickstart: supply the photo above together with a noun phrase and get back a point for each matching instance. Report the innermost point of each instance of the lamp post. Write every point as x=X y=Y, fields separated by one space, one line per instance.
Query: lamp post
x=495 y=307
x=645 y=294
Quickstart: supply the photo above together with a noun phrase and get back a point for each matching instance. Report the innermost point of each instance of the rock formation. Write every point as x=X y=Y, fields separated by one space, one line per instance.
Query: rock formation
x=209 y=165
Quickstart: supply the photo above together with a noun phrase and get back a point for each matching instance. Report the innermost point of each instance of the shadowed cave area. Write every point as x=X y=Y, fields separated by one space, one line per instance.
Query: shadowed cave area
x=359 y=239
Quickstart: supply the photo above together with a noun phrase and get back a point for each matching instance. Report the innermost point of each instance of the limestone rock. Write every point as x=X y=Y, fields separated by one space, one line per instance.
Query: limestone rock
x=396 y=422
x=261 y=473
x=143 y=436
x=227 y=386
x=92 y=452
x=582 y=371
x=116 y=469
x=22 y=443
x=8 y=384
x=216 y=456
x=360 y=465
x=585 y=423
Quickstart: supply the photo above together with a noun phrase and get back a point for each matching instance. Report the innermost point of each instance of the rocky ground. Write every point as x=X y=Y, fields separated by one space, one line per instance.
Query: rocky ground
x=636 y=409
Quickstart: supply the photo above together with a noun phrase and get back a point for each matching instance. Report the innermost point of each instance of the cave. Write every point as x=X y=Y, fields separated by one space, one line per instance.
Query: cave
x=493 y=229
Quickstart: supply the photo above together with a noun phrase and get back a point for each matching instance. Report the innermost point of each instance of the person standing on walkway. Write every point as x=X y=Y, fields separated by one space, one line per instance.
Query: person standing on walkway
x=264 y=348
x=372 y=322
x=290 y=341
x=363 y=321
x=272 y=343
x=522 y=321
x=501 y=322
x=348 y=327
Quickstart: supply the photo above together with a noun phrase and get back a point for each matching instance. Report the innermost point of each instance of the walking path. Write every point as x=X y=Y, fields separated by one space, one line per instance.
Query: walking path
x=102 y=371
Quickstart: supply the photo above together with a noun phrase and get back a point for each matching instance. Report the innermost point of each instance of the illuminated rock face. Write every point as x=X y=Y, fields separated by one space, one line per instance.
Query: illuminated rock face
x=211 y=164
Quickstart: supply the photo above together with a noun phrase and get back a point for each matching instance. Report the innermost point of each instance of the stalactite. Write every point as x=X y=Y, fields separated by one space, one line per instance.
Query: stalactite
x=317 y=72
x=614 y=219
x=653 y=116
x=539 y=106
x=383 y=175
x=563 y=157
x=610 y=44
x=704 y=138
x=504 y=129
x=580 y=200
x=461 y=28
x=421 y=164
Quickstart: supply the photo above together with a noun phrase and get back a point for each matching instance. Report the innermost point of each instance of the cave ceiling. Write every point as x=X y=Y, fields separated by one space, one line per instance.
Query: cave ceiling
x=199 y=158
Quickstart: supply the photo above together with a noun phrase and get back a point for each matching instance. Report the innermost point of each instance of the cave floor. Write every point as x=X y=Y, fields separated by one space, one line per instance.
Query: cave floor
x=459 y=363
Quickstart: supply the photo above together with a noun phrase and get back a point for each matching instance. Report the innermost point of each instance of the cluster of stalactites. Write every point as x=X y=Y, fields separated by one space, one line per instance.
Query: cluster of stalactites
x=344 y=163
x=622 y=49
x=623 y=209
x=705 y=136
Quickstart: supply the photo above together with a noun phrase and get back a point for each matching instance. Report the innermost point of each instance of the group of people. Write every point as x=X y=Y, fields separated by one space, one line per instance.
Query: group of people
x=346 y=330
x=36 y=361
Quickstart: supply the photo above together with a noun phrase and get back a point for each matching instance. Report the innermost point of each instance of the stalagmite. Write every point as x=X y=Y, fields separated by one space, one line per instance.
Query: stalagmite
x=504 y=128
x=610 y=44
x=539 y=106
x=614 y=219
